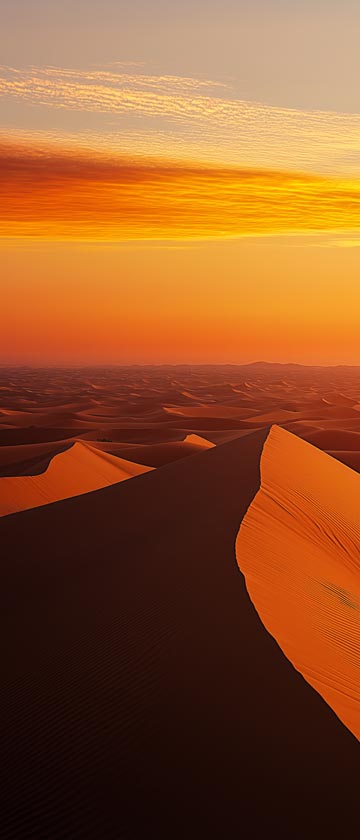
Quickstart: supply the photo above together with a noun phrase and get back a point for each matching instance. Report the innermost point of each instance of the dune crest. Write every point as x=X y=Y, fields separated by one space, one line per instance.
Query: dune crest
x=299 y=550
x=199 y=441
x=78 y=470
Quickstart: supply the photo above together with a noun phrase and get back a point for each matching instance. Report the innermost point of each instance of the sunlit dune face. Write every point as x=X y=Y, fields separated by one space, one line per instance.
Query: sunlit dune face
x=56 y=195
x=79 y=470
x=299 y=549
x=198 y=441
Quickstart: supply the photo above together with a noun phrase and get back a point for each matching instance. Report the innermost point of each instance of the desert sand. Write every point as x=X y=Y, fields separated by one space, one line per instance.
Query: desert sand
x=299 y=549
x=143 y=693
x=80 y=469
x=150 y=407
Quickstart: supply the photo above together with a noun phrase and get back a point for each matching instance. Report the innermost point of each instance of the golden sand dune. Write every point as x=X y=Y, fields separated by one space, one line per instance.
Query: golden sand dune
x=299 y=549
x=78 y=470
x=201 y=442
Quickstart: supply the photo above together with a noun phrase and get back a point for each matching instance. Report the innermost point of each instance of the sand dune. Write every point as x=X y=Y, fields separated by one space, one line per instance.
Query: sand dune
x=279 y=415
x=299 y=549
x=327 y=412
x=350 y=458
x=207 y=424
x=26 y=436
x=301 y=427
x=156 y=455
x=34 y=419
x=30 y=459
x=78 y=470
x=157 y=405
x=142 y=696
x=334 y=439
x=339 y=399
x=197 y=440
x=225 y=412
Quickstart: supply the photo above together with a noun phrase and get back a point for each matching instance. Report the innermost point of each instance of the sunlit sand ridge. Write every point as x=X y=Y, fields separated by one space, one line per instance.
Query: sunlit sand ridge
x=72 y=473
x=299 y=549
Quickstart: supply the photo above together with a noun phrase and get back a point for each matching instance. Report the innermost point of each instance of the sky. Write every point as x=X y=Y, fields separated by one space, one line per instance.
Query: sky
x=181 y=182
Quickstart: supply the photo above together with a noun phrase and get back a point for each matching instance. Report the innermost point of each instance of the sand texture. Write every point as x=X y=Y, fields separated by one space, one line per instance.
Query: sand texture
x=299 y=549
x=80 y=469
x=145 y=693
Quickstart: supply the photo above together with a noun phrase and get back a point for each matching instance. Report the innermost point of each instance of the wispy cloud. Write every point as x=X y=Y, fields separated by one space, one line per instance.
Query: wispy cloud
x=100 y=89
x=181 y=116
x=58 y=195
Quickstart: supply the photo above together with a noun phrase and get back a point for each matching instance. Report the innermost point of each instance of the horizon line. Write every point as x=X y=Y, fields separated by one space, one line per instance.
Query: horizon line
x=106 y=365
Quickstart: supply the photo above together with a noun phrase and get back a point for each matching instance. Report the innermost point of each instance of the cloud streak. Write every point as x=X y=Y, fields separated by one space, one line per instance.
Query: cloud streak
x=61 y=195
x=105 y=90
x=191 y=117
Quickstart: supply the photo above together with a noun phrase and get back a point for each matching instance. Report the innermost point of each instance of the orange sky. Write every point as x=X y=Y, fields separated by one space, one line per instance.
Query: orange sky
x=159 y=303
x=77 y=196
x=118 y=258
x=192 y=195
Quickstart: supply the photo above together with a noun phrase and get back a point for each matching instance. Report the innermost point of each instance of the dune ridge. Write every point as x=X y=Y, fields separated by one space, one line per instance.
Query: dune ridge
x=143 y=696
x=78 y=470
x=299 y=550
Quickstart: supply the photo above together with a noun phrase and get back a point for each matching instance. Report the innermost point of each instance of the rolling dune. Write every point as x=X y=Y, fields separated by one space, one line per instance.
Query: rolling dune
x=299 y=549
x=157 y=454
x=30 y=459
x=222 y=412
x=142 y=695
x=335 y=439
x=78 y=470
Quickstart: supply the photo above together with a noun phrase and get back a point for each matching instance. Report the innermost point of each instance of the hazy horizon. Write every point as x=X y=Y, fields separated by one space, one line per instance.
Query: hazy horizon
x=104 y=365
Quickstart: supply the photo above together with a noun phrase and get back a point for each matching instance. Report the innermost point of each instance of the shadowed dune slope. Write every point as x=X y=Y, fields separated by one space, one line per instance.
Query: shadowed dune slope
x=299 y=549
x=348 y=457
x=208 y=411
x=30 y=459
x=340 y=439
x=31 y=435
x=141 y=694
x=78 y=470
x=156 y=455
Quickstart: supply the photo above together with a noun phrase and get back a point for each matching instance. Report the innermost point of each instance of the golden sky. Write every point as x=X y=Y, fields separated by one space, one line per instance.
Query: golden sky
x=172 y=208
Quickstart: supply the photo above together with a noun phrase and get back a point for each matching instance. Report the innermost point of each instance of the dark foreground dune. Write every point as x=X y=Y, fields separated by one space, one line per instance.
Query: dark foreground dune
x=143 y=697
